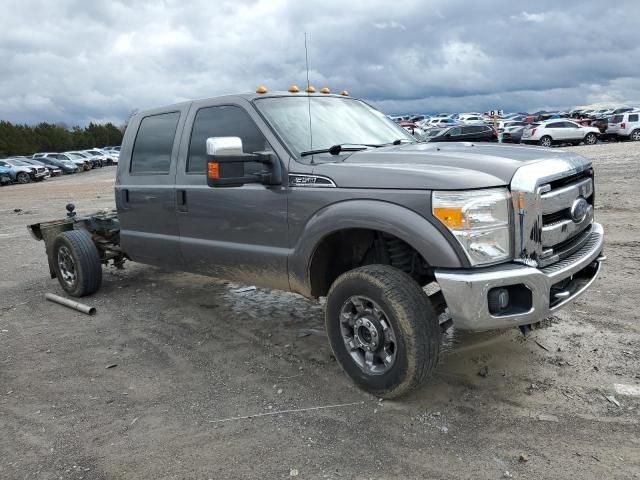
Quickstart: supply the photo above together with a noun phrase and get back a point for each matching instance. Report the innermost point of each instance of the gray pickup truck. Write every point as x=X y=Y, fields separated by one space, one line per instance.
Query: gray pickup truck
x=323 y=195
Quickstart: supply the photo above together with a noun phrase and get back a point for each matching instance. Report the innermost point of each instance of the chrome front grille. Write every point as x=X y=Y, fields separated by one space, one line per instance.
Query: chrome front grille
x=559 y=230
x=545 y=221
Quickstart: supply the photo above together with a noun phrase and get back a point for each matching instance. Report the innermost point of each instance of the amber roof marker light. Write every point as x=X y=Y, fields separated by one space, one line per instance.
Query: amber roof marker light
x=344 y=93
x=325 y=90
x=261 y=89
x=294 y=89
x=310 y=89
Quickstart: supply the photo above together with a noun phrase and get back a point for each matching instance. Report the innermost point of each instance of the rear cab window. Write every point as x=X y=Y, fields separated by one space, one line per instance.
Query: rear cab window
x=154 y=143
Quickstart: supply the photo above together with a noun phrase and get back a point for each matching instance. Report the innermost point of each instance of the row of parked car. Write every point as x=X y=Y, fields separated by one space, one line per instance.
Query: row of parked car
x=40 y=166
x=541 y=128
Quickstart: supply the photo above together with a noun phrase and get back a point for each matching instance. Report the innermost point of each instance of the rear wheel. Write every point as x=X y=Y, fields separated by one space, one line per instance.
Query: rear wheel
x=590 y=139
x=383 y=330
x=635 y=135
x=23 y=177
x=546 y=141
x=77 y=263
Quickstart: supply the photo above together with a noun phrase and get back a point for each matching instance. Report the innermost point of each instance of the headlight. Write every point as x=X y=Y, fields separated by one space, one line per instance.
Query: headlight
x=479 y=219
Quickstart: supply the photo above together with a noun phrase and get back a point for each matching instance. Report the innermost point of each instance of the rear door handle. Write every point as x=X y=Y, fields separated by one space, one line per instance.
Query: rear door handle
x=124 y=196
x=181 y=200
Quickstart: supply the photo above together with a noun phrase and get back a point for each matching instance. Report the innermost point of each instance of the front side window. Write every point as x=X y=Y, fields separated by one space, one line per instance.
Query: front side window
x=312 y=123
x=616 y=119
x=223 y=121
x=556 y=125
x=154 y=143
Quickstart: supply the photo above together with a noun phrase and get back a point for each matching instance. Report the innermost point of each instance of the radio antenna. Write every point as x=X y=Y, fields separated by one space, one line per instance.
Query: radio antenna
x=306 y=58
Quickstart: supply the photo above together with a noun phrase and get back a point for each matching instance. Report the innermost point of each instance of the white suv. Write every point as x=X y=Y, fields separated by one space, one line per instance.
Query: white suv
x=625 y=125
x=559 y=131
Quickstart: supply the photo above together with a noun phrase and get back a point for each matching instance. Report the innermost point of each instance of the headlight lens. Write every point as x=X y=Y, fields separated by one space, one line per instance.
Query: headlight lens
x=479 y=219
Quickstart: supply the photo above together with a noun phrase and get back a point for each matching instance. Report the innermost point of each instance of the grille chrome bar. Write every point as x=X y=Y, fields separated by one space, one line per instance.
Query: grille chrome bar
x=561 y=198
x=558 y=232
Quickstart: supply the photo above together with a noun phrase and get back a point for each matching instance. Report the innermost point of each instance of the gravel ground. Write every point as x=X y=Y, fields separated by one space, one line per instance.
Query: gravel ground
x=191 y=352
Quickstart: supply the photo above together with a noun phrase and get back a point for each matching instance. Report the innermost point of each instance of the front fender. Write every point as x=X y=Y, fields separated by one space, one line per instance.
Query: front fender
x=382 y=216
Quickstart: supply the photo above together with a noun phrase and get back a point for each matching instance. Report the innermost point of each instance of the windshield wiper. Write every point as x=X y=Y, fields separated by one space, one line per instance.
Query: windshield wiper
x=351 y=147
x=337 y=149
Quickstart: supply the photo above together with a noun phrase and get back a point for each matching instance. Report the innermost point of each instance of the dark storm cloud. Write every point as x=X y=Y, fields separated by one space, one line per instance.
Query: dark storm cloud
x=76 y=61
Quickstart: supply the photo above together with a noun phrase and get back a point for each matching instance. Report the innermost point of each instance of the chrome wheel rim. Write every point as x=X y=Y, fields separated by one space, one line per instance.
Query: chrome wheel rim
x=636 y=136
x=546 y=142
x=23 y=178
x=66 y=266
x=591 y=139
x=368 y=335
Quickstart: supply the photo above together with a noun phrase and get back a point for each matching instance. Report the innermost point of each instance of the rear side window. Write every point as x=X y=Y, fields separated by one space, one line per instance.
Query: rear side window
x=633 y=118
x=154 y=143
x=223 y=121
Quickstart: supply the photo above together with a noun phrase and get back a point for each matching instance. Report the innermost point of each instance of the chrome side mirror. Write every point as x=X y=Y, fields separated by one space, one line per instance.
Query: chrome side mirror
x=224 y=146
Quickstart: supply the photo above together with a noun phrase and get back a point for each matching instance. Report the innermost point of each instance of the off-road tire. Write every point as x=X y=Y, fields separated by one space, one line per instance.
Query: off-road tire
x=635 y=135
x=412 y=318
x=86 y=259
x=590 y=139
x=23 y=177
x=546 y=141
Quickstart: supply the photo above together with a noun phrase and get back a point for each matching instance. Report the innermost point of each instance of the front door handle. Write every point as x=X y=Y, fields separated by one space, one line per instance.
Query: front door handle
x=181 y=200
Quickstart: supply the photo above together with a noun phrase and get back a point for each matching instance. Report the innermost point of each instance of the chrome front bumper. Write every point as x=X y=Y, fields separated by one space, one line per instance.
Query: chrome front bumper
x=466 y=291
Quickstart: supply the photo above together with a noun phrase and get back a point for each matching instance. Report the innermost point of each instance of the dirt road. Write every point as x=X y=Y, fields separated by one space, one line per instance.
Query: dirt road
x=190 y=352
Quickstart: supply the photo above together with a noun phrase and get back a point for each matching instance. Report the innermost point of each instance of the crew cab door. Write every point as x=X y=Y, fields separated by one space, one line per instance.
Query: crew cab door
x=237 y=232
x=145 y=188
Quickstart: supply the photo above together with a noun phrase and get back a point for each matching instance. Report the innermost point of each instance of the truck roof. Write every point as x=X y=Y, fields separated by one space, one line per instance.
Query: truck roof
x=246 y=96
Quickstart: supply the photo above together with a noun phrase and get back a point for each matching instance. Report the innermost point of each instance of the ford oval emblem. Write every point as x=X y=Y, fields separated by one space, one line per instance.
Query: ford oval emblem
x=579 y=209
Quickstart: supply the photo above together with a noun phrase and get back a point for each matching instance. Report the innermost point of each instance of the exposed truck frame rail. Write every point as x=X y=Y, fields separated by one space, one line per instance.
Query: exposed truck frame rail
x=103 y=226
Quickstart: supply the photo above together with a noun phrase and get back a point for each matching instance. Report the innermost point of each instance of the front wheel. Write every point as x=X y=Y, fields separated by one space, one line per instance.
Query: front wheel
x=590 y=139
x=77 y=263
x=23 y=177
x=546 y=141
x=382 y=329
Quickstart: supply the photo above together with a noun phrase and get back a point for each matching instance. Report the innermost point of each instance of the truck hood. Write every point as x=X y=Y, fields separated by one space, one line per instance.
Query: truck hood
x=442 y=166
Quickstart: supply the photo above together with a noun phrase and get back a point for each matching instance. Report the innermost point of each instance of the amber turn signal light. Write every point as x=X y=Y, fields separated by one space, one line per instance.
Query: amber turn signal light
x=451 y=217
x=310 y=89
x=261 y=89
x=213 y=170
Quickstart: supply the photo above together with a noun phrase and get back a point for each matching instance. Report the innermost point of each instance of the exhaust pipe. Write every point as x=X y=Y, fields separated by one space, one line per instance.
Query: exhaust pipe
x=81 y=307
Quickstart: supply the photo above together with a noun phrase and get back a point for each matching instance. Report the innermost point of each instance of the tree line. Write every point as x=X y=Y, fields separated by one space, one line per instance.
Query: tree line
x=50 y=137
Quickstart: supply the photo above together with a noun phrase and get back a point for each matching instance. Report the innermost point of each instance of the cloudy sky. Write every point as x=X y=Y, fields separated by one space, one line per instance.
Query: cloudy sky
x=77 y=61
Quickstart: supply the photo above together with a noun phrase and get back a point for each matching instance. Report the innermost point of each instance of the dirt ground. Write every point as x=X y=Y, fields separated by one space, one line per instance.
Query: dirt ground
x=191 y=351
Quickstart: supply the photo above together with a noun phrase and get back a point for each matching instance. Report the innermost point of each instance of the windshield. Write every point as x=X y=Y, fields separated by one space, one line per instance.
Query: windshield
x=334 y=121
x=16 y=162
x=75 y=156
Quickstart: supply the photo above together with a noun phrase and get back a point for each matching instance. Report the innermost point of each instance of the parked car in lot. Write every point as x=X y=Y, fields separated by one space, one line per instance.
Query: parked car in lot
x=107 y=158
x=54 y=170
x=471 y=119
x=625 y=126
x=559 y=131
x=18 y=173
x=67 y=166
x=466 y=133
x=441 y=122
x=96 y=161
x=36 y=172
x=81 y=162
x=512 y=134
